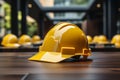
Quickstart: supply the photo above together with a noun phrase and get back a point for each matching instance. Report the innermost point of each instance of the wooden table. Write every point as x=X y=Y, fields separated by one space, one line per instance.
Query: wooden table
x=99 y=66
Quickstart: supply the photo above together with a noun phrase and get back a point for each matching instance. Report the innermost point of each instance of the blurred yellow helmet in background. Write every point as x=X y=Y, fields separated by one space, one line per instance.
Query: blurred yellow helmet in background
x=10 y=40
x=89 y=39
x=25 y=40
x=116 y=40
x=102 y=39
x=63 y=41
x=95 y=39
x=36 y=39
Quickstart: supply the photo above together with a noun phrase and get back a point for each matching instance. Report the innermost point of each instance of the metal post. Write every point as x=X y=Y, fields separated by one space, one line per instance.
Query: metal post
x=24 y=11
x=112 y=20
x=14 y=17
x=105 y=18
x=41 y=26
x=109 y=18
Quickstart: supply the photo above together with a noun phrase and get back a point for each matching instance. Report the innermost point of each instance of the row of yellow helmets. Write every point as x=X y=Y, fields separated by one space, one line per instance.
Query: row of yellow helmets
x=11 y=40
x=102 y=39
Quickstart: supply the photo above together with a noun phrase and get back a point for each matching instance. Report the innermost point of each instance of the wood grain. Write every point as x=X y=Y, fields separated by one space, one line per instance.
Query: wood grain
x=99 y=66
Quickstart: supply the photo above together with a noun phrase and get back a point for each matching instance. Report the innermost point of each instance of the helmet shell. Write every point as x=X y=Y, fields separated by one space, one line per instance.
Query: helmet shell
x=36 y=39
x=63 y=41
x=116 y=40
x=24 y=39
x=10 y=40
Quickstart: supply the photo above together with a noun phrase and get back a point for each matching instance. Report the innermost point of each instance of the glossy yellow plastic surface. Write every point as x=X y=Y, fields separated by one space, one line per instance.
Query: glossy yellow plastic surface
x=89 y=39
x=36 y=39
x=10 y=40
x=95 y=39
x=25 y=40
x=14 y=45
x=63 y=41
x=102 y=39
x=116 y=40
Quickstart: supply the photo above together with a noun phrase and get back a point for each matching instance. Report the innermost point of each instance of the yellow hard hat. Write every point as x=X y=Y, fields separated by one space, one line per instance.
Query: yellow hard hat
x=95 y=39
x=116 y=40
x=89 y=39
x=36 y=39
x=102 y=39
x=25 y=40
x=10 y=40
x=63 y=41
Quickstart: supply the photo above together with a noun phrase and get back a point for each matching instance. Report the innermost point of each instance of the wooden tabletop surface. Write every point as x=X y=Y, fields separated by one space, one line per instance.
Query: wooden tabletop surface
x=99 y=66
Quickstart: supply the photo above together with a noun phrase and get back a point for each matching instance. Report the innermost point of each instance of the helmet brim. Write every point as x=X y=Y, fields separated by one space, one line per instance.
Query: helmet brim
x=12 y=45
x=49 y=57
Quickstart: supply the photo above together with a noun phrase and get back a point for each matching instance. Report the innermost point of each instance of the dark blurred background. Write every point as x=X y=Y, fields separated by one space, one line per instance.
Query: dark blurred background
x=94 y=17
